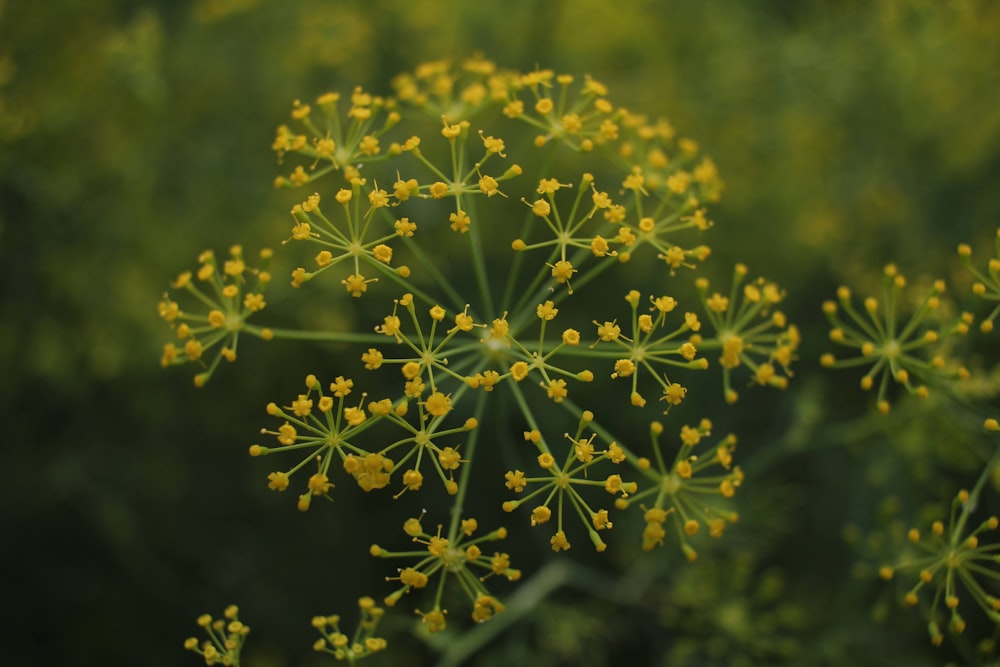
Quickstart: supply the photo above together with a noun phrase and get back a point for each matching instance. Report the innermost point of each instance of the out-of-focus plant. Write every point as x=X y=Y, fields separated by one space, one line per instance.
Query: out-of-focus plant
x=950 y=571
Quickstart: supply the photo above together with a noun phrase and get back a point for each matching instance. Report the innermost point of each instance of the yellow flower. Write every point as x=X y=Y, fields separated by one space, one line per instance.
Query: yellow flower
x=571 y=337
x=277 y=481
x=608 y=331
x=519 y=371
x=556 y=390
x=404 y=227
x=355 y=284
x=460 y=222
x=354 y=416
x=562 y=271
x=382 y=253
x=559 y=542
x=372 y=359
x=489 y=186
x=341 y=386
x=437 y=404
x=516 y=480
x=541 y=208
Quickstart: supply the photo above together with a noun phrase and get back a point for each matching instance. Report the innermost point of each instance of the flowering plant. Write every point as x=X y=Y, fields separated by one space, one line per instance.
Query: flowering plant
x=492 y=213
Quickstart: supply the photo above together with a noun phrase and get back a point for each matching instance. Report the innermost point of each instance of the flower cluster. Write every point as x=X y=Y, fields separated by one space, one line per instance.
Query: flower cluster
x=328 y=428
x=345 y=242
x=682 y=490
x=458 y=556
x=351 y=649
x=749 y=331
x=226 y=296
x=487 y=261
x=950 y=570
x=987 y=285
x=331 y=141
x=905 y=351
x=225 y=638
x=956 y=565
x=563 y=483
x=652 y=347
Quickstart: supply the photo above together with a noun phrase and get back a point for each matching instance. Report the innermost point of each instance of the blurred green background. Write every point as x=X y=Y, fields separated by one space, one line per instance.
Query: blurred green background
x=135 y=134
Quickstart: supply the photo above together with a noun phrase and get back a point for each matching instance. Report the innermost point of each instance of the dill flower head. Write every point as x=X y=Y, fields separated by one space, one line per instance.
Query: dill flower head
x=987 y=284
x=485 y=215
x=224 y=296
x=226 y=636
x=953 y=569
x=908 y=351
x=460 y=558
x=682 y=490
x=361 y=644
x=749 y=330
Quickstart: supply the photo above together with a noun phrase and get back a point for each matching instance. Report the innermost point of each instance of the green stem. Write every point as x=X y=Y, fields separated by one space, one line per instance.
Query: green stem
x=532 y=293
x=322 y=336
x=522 y=403
x=431 y=268
x=463 y=479
x=529 y=218
x=522 y=603
x=404 y=283
x=970 y=505
x=479 y=261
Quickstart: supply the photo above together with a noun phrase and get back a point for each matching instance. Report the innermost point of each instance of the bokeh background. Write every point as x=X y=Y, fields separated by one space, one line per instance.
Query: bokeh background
x=135 y=134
